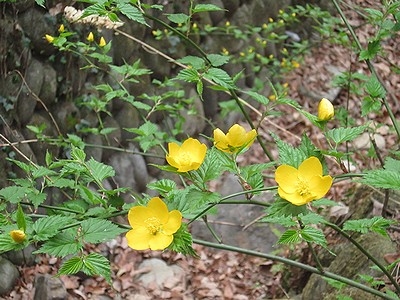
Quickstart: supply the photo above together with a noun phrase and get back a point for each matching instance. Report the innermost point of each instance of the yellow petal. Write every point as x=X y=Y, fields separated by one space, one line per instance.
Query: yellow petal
x=199 y=154
x=326 y=110
x=102 y=42
x=310 y=168
x=158 y=209
x=250 y=137
x=18 y=235
x=236 y=136
x=220 y=140
x=139 y=238
x=138 y=215
x=160 y=241
x=171 y=161
x=320 y=185
x=49 y=38
x=294 y=198
x=173 y=149
x=287 y=176
x=174 y=222
x=90 y=37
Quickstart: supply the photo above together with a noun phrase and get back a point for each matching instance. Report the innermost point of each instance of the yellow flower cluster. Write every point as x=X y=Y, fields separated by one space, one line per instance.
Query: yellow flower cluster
x=235 y=140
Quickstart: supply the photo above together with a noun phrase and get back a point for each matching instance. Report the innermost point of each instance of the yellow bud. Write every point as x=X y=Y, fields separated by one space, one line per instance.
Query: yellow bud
x=258 y=55
x=285 y=85
x=194 y=26
x=227 y=24
x=325 y=110
x=90 y=37
x=281 y=22
x=61 y=28
x=102 y=42
x=272 y=97
x=271 y=56
x=295 y=64
x=242 y=54
x=271 y=20
x=18 y=236
x=264 y=26
x=264 y=42
x=280 y=11
x=49 y=38
x=293 y=14
x=154 y=32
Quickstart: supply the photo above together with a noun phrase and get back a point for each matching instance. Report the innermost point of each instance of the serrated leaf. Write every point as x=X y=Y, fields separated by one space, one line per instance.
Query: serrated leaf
x=182 y=242
x=313 y=235
x=78 y=154
x=392 y=165
x=369 y=105
x=382 y=179
x=97 y=230
x=206 y=7
x=41 y=172
x=376 y=224
x=342 y=134
x=97 y=265
x=288 y=155
x=162 y=186
x=22 y=165
x=372 y=50
x=281 y=207
x=289 y=236
x=178 y=18
x=131 y=12
x=13 y=194
x=188 y=75
x=311 y=218
x=374 y=88
x=218 y=60
x=45 y=228
x=8 y=244
x=220 y=77
x=62 y=183
x=194 y=61
x=258 y=97
x=210 y=168
x=285 y=221
x=324 y=202
x=40 y=2
x=20 y=216
x=61 y=245
x=99 y=171
x=36 y=197
x=71 y=266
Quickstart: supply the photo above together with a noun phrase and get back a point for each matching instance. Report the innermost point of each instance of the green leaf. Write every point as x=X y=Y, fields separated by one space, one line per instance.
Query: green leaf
x=131 y=13
x=99 y=171
x=178 y=18
x=220 y=77
x=98 y=231
x=196 y=62
x=324 y=202
x=61 y=245
x=252 y=174
x=13 y=194
x=369 y=105
x=374 y=88
x=205 y=7
x=45 y=228
x=342 y=134
x=182 y=242
x=23 y=166
x=163 y=186
x=62 y=183
x=313 y=235
x=373 y=48
x=40 y=2
x=382 y=179
x=36 y=197
x=78 y=154
x=376 y=224
x=71 y=266
x=218 y=60
x=41 y=172
x=311 y=218
x=288 y=155
x=285 y=221
x=8 y=244
x=392 y=165
x=21 y=221
x=188 y=75
x=210 y=168
x=281 y=207
x=96 y=264
x=289 y=236
x=258 y=97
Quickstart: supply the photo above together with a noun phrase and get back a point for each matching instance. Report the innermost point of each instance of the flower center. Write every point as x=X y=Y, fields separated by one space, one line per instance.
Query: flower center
x=184 y=159
x=153 y=225
x=303 y=188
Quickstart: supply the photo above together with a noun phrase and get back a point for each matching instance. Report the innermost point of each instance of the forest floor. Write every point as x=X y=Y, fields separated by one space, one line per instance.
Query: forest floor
x=227 y=275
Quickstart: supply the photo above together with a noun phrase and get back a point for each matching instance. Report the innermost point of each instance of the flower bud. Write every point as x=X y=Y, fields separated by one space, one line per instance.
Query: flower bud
x=325 y=110
x=61 y=28
x=90 y=37
x=102 y=42
x=49 y=38
x=18 y=236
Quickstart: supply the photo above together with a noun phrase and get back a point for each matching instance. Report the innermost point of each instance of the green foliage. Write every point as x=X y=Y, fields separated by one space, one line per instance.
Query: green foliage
x=46 y=228
x=182 y=242
x=341 y=135
x=61 y=245
x=388 y=178
x=376 y=224
x=98 y=231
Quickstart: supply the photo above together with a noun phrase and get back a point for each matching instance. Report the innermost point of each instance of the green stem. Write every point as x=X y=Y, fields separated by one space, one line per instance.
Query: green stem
x=294 y=264
x=366 y=253
x=250 y=122
x=53 y=207
x=370 y=67
x=124 y=150
x=209 y=227
x=314 y=254
x=349 y=175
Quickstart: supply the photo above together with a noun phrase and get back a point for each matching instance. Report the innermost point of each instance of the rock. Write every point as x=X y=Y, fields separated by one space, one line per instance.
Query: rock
x=48 y=91
x=93 y=151
x=8 y=276
x=258 y=237
x=363 y=141
x=67 y=117
x=130 y=169
x=217 y=16
x=318 y=289
x=26 y=102
x=48 y=287
x=113 y=138
x=194 y=122
x=153 y=171
x=161 y=274
x=231 y=6
x=22 y=257
x=127 y=117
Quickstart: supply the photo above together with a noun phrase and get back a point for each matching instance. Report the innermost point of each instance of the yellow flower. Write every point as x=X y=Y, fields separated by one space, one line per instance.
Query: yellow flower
x=90 y=37
x=152 y=226
x=272 y=97
x=18 y=236
x=49 y=38
x=227 y=23
x=102 y=42
x=61 y=28
x=295 y=64
x=235 y=140
x=187 y=157
x=325 y=110
x=300 y=186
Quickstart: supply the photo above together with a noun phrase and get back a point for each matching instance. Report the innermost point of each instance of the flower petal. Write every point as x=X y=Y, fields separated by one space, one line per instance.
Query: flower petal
x=236 y=136
x=171 y=161
x=199 y=153
x=320 y=185
x=158 y=209
x=138 y=238
x=160 y=241
x=294 y=198
x=173 y=149
x=309 y=168
x=174 y=222
x=250 y=137
x=220 y=140
x=138 y=215
x=287 y=176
